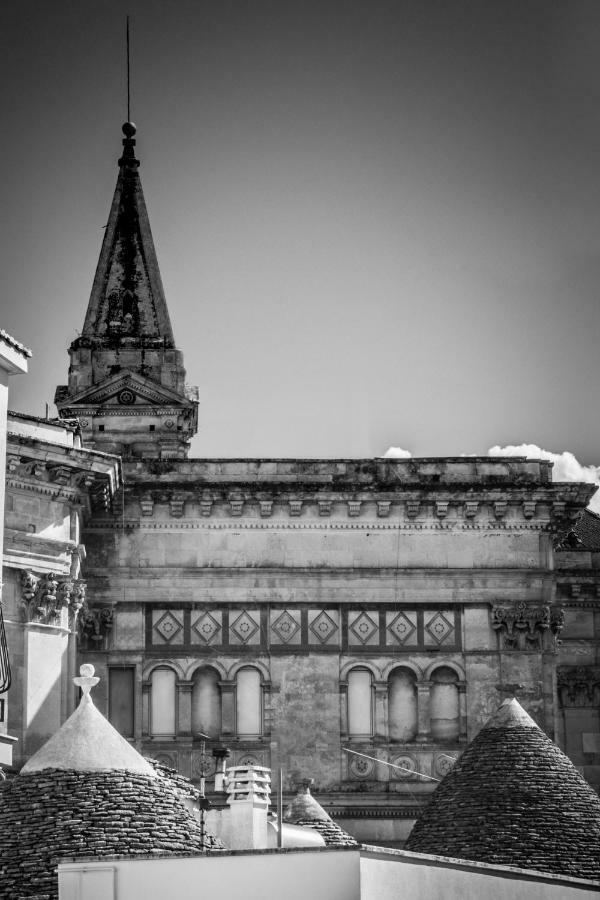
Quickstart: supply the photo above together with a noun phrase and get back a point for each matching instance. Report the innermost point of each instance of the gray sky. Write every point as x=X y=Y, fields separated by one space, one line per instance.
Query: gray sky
x=377 y=222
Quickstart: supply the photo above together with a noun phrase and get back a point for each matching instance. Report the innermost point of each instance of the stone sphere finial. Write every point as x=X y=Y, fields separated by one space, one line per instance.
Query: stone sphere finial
x=86 y=679
x=129 y=129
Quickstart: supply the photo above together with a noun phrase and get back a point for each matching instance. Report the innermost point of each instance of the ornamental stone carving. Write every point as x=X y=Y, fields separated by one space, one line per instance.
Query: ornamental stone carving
x=523 y=626
x=578 y=686
x=95 y=626
x=44 y=597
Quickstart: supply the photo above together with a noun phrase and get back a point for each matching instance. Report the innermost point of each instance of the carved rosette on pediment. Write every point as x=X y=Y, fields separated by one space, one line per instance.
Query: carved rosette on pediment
x=528 y=626
x=578 y=686
x=45 y=597
x=94 y=626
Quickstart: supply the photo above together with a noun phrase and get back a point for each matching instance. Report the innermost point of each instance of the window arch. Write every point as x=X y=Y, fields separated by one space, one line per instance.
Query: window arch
x=206 y=702
x=162 y=701
x=248 y=705
x=444 y=705
x=402 y=704
x=360 y=702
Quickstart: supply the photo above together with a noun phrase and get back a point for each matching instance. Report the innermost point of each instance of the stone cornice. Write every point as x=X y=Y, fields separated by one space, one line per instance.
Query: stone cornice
x=283 y=525
x=110 y=411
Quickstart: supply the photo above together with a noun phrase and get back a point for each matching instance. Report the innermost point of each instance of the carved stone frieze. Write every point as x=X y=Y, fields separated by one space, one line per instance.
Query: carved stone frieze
x=523 y=626
x=578 y=686
x=95 y=625
x=44 y=597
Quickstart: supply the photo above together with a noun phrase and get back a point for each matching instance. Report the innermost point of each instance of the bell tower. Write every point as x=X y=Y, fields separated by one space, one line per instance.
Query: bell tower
x=126 y=377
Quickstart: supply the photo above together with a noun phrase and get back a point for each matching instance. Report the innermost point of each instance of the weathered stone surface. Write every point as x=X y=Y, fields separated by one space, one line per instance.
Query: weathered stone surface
x=55 y=814
x=514 y=798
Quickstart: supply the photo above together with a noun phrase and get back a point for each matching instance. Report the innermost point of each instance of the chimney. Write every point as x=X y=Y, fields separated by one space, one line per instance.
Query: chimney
x=242 y=824
x=220 y=754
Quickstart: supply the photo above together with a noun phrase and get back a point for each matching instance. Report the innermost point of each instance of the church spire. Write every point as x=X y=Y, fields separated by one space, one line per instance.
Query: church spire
x=126 y=356
x=127 y=299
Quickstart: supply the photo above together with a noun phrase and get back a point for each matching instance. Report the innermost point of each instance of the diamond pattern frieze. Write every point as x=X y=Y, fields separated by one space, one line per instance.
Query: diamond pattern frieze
x=323 y=626
x=207 y=628
x=285 y=627
x=402 y=628
x=362 y=628
x=438 y=628
x=167 y=627
x=245 y=629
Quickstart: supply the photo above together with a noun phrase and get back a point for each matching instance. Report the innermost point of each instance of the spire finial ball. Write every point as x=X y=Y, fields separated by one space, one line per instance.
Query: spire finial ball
x=129 y=129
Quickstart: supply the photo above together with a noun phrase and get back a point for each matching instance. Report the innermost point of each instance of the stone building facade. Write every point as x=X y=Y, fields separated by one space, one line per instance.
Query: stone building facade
x=355 y=621
x=52 y=483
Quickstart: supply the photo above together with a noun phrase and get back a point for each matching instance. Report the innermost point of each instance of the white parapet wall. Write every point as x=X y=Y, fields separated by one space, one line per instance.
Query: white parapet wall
x=369 y=873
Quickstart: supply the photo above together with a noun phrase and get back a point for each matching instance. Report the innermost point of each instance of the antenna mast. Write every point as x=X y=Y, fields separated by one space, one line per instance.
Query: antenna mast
x=128 y=74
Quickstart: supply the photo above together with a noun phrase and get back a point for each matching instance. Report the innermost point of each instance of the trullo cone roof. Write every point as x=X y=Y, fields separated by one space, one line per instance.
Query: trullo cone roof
x=514 y=798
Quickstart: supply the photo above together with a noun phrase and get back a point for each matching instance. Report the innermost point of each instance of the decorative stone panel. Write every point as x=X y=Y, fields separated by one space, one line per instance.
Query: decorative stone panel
x=525 y=626
x=578 y=686
x=244 y=627
x=206 y=627
x=438 y=628
x=442 y=764
x=407 y=767
x=323 y=627
x=359 y=767
x=363 y=628
x=401 y=628
x=45 y=597
x=285 y=627
x=95 y=627
x=167 y=627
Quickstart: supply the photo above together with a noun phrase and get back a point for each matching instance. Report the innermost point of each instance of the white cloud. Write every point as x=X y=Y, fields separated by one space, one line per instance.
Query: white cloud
x=397 y=453
x=566 y=466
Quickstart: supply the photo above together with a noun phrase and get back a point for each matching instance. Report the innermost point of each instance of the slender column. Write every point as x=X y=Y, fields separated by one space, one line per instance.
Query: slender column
x=184 y=707
x=138 y=705
x=423 y=697
x=227 y=707
x=344 y=709
x=146 y=687
x=462 y=711
x=381 y=709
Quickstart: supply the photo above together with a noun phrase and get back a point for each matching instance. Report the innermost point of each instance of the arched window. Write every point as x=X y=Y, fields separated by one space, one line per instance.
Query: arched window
x=162 y=702
x=444 y=705
x=248 y=703
x=360 y=703
x=402 y=705
x=206 y=702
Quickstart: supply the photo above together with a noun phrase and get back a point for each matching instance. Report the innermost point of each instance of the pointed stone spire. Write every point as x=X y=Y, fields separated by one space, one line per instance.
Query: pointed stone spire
x=126 y=356
x=127 y=302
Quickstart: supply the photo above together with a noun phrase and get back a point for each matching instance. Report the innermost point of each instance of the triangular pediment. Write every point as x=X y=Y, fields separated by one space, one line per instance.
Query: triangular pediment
x=125 y=389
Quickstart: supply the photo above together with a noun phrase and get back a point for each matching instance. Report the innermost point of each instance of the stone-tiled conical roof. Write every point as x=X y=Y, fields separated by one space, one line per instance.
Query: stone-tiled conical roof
x=305 y=810
x=514 y=798
x=91 y=803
